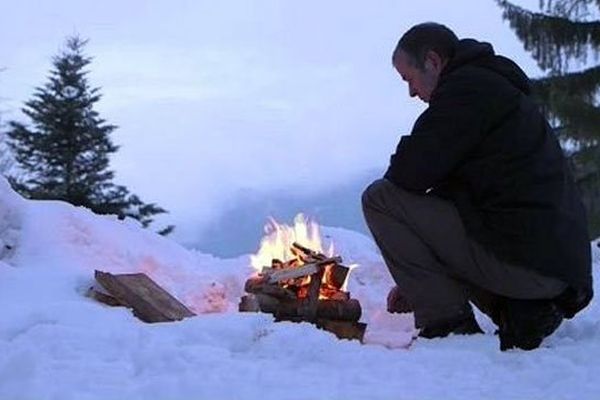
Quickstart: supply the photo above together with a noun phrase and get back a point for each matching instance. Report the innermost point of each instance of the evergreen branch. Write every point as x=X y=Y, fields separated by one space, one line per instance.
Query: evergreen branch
x=552 y=40
x=583 y=84
x=569 y=8
x=580 y=120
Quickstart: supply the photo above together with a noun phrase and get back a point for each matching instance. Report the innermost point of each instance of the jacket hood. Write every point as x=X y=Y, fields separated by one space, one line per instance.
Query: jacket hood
x=481 y=54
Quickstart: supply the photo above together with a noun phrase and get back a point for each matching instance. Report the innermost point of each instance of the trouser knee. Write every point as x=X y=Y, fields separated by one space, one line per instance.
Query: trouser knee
x=372 y=195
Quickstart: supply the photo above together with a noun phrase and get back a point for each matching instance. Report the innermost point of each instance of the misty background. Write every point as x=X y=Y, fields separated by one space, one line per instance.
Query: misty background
x=230 y=112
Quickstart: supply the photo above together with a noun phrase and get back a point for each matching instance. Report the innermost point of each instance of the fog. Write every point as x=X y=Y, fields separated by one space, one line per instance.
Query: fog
x=230 y=111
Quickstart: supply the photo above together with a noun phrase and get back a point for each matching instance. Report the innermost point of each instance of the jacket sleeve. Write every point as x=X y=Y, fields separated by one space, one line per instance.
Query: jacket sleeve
x=440 y=139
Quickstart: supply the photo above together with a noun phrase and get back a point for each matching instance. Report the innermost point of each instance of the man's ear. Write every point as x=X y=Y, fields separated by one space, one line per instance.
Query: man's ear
x=433 y=61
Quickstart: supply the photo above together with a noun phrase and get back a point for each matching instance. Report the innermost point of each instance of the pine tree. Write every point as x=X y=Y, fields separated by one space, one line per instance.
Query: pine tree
x=64 y=155
x=563 y=37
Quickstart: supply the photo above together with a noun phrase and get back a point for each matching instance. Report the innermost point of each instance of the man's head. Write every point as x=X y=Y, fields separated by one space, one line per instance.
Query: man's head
x=421 y=55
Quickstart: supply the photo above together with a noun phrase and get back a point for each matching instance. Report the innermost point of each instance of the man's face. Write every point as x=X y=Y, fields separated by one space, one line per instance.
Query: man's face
x=421 y=82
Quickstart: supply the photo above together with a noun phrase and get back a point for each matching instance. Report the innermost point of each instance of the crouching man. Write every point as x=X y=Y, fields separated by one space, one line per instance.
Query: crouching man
x=478 y=204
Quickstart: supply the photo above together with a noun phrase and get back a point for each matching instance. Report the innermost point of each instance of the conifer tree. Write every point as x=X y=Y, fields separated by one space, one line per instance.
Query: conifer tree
x=564 y=39
x=64 y=153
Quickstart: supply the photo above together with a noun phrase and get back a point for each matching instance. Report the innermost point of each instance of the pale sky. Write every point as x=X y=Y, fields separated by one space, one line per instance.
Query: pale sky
x=216 y=96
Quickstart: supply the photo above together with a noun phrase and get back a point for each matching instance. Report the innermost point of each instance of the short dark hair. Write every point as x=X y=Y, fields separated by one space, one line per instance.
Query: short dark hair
x=425 y=37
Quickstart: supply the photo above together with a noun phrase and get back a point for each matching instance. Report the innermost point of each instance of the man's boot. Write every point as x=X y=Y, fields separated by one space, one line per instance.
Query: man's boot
x=525 y=323
x=465 y=324
x=571 y=301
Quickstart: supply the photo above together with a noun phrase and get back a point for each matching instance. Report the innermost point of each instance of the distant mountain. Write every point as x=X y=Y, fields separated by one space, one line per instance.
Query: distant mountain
x=239 y=230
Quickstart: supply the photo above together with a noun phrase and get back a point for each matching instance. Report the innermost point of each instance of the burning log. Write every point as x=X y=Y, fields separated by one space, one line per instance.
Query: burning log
x=325 y=309
x=337 y=272
x=344 y=310
x=277 y=265
x=259 y=302
x=284 y=274
x=306 y=252
x=338 y=275
x=338 y=317
x=249 y=303
x=261 y=285
x=307 y=288
x=268 y=304
x=339 y=295
x=314 y=290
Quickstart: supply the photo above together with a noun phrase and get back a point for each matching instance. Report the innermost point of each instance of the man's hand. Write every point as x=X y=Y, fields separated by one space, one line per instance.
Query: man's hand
x=396 y=302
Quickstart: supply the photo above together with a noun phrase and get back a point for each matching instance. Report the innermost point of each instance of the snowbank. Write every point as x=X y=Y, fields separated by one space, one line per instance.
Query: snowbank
x=57 y=344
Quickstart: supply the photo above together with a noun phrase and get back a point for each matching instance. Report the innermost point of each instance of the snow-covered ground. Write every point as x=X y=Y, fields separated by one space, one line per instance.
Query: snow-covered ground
x=55 y=343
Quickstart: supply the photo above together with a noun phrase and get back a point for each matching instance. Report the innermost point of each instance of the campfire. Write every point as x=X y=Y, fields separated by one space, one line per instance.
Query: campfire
x=296 y=281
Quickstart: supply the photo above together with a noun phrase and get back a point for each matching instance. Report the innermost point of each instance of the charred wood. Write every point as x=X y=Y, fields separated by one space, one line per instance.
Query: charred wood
x=313 y=294
x=259 y=285
x=349 y=310
x=249 y=303
x=269 y=304
x=308 y=253
x=326 y=309
x=337 y=275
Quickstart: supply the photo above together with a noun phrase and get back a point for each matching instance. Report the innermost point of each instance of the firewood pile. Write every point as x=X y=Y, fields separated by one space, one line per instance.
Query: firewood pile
x=307 y=288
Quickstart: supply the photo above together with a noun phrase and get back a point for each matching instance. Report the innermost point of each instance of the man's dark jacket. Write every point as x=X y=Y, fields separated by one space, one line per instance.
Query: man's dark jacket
x=483 y=144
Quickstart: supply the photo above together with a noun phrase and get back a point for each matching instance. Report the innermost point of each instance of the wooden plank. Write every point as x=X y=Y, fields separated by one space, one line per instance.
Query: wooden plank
x=149 y=301
x=285 y=274
x=103 y=297
x=292 y=273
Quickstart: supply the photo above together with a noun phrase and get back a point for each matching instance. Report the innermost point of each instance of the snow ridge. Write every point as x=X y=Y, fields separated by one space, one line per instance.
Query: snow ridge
x=57 y=343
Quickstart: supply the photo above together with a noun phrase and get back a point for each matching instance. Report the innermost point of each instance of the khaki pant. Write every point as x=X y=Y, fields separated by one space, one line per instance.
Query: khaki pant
x=436 y=266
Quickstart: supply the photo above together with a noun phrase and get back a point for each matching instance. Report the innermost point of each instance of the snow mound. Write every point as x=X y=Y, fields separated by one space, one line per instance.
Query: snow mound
x=55 y=343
